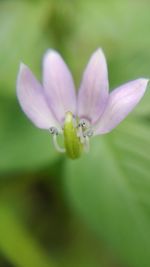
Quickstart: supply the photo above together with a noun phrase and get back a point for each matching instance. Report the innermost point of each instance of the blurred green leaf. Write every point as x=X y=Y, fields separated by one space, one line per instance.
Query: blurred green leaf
x=17 y=244
x=22 y=145
x=121 y=28
x=20 y=39
x=27 y=29
x=110 y=187
x=23 y=37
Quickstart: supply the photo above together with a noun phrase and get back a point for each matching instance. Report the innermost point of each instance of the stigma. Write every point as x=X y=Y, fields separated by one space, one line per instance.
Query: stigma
x=76 y=134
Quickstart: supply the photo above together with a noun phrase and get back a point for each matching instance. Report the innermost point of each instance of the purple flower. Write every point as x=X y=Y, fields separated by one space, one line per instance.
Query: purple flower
x=94 y=111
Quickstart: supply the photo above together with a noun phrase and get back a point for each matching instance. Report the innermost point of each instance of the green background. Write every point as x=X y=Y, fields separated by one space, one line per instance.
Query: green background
x=95 y=211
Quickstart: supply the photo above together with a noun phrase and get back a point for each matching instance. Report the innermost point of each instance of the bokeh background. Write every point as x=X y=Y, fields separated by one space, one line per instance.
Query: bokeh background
x=95 y=211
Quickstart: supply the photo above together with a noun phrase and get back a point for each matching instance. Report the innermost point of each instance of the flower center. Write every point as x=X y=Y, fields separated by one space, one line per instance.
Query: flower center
x=76 y=134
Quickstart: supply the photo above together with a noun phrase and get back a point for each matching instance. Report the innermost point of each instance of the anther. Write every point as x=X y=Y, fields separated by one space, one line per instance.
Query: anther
x=88 y=133
x=83 y=123
x=53 y=131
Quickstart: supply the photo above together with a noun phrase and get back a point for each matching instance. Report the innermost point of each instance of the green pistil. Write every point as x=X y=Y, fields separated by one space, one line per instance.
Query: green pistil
x=71 y=140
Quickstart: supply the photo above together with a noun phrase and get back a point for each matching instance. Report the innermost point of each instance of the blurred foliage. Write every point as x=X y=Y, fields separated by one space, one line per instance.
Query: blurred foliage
x=93 y=212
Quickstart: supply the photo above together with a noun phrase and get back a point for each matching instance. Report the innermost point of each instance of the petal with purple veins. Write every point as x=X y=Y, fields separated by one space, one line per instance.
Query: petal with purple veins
x=58 y=85
x=32 y=100
x=93 y=91
x=120 y=103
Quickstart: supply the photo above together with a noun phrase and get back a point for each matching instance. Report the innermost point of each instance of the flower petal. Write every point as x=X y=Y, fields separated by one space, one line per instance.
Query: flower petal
x=32 y=99
x=93 y=91
x=58 y=85
x=120 y=103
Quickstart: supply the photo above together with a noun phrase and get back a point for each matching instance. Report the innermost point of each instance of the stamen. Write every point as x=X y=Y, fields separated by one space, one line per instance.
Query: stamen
x=80 y=134
x=56 y=145
x=84 y=131
x=86 y=144
x=54 y=132
x=84 y=123
x=82 y=128
x=88 y=133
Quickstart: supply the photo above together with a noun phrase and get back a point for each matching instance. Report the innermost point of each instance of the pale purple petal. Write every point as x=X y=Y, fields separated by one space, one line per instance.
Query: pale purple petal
x=93 y=91
x=120 y=103
x=32 y=100
x=58 y=85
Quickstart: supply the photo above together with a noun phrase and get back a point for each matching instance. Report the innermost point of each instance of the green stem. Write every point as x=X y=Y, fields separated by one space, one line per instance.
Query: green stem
x=17 y=244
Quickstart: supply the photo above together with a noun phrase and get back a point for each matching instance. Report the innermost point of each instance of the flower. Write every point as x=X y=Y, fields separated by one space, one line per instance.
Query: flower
x=55 y=107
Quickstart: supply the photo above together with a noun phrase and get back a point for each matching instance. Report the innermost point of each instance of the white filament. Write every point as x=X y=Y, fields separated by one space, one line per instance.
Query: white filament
x=86 y=144
x=80 y=134
x=56 y=145
x=84 y=132
x=54 y=132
